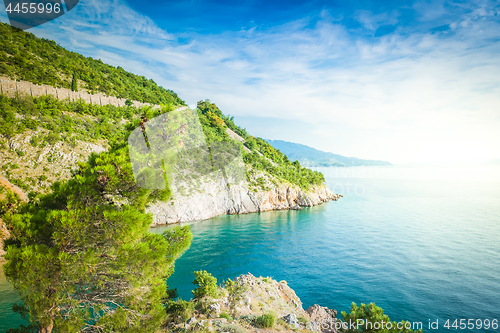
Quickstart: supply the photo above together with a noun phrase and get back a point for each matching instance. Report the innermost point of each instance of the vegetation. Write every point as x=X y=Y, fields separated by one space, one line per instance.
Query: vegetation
x=23 y=56
x=207 y=285
x=373 y=317
x=235 y=293
x=79 y=262
x=225 y=316
x=81 y=256
x=74 y=82
x=234 y=328
x=65 y=120
x=179 y=311
x=263 y=156
x=267 y=320
x=71 y=121
x=9 y=201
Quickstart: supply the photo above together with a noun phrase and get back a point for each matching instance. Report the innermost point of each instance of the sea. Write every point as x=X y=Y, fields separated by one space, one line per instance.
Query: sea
x=423 y=243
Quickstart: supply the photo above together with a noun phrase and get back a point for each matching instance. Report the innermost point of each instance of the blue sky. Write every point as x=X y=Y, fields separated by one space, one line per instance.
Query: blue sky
x=403 y=81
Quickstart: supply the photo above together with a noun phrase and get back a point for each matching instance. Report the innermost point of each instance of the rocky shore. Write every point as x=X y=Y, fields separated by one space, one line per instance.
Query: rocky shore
x=217 y=199
x=240 y=311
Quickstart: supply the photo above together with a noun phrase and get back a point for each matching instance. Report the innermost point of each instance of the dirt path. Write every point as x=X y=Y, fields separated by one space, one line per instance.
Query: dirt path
x=5 y=183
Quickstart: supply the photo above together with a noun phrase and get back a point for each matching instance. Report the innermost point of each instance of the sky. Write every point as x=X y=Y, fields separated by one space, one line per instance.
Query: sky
x=401 y=81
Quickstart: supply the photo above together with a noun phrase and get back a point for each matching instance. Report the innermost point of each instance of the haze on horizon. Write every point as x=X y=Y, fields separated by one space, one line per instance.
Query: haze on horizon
x=401 y=81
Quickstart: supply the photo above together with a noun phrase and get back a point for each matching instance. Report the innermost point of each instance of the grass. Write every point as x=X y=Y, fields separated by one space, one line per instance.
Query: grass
x=267 y=320
x=225 y=316
x=234 y=328
x=302 y=320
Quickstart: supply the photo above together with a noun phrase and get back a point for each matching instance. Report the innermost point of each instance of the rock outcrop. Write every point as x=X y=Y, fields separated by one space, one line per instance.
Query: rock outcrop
x=39 y=166
x=216 y=199
x=256 y=296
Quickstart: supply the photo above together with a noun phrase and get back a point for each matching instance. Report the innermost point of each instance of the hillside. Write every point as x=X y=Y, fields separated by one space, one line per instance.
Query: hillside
x=45 y=139
x=23 y=56
x=316 y=158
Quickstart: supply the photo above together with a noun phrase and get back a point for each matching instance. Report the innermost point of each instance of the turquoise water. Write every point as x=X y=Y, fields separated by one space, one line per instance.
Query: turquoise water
x=8 y=296
x=421 y=243
x=420 y=248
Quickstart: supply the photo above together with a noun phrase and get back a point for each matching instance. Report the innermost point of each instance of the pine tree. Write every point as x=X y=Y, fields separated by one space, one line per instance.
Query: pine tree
x=79 y=262
x=74 y=82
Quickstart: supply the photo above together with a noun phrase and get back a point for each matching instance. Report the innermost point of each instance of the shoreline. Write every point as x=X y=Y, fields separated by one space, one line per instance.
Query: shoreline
x=215 y=201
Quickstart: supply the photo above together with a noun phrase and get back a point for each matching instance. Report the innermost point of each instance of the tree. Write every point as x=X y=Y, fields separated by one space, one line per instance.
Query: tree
x=371 y=318
x=74 y=82
x=83 y=261
x=207 y=285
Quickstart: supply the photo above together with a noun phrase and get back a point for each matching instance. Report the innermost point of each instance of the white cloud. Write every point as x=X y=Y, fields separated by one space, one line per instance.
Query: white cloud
x=372 y=21
x=418 y=96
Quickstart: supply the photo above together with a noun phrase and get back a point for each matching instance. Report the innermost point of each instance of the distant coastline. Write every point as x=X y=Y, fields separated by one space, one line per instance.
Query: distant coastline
x=311 y=157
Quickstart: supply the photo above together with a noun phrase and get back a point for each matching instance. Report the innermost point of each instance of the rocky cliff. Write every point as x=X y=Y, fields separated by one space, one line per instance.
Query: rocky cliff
x=212 y=198
x=215 y=198
x=243 y=308
x=259 y=193
x=30 y=161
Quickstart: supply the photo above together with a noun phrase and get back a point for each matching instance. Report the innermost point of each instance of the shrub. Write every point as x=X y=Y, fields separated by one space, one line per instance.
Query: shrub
x=52 y=138
x=249 y=318
x=302 y=320
x=207 y=285
x=181 y=308
x=234 y=328
x=235 y=291
x=225 y=316
x=267 y=320
x=10 y=201
x=371 y=314
x=35 y=140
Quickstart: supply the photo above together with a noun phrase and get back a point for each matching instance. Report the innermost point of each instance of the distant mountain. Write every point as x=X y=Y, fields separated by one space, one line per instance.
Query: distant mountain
x=311 y=157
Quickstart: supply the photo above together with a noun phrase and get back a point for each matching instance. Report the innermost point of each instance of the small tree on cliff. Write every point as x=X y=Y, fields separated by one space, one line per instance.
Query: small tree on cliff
x=371 y=318
x=81 y=263
x=74 y=82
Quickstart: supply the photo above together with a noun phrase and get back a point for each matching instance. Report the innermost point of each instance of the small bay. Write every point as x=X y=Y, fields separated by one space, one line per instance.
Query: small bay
x=422 y=243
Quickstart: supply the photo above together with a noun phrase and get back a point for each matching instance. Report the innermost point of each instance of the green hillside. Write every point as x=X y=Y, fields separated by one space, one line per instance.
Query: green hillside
x=23 y=56
x=85 y=208
x=48 y=121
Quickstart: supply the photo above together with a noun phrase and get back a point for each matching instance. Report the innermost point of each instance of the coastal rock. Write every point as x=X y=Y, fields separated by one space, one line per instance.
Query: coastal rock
x=212 y=199
x=321 y=313
x=322 y=318
x=265 y=295
x=199 y=325
x=291 y=319
x=215 y=308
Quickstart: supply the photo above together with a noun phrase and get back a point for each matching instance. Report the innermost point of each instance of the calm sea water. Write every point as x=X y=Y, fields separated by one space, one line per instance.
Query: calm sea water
x=422 y=243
